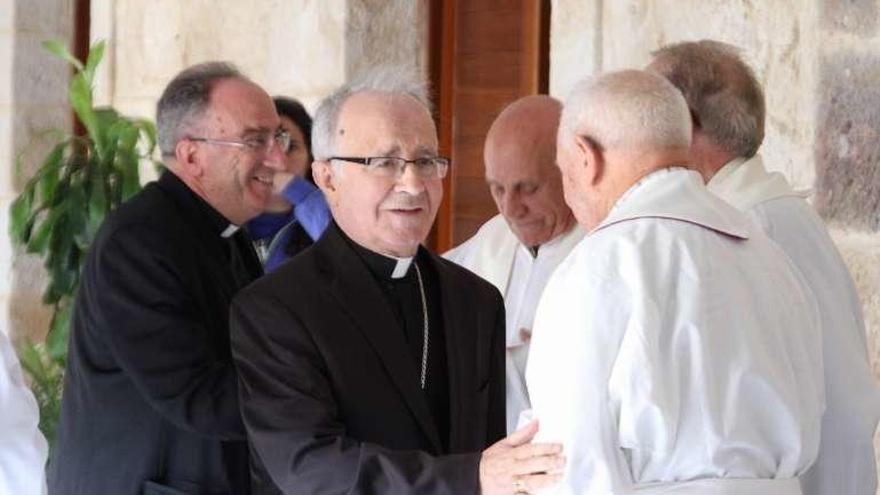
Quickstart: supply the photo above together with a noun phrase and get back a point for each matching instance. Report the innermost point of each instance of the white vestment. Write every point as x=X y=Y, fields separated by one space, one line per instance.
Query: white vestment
x=845 y=465
x=677 y=350
x=23 y=449
x=496 y=254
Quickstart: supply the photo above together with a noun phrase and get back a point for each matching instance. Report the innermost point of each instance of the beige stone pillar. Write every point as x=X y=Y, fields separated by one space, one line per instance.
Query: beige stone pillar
x=290 y=47
x=386 y=32
x=33 y=87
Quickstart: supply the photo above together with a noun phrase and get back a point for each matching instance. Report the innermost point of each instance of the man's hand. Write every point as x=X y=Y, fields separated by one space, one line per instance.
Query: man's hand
x=513 y=465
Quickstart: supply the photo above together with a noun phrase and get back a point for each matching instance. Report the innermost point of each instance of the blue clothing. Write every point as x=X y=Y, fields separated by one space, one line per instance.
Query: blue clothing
x=274 y=230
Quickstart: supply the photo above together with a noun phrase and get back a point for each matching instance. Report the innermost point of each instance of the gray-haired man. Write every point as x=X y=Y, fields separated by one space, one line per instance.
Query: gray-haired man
x=367 y=364
x=727 y=106
x=150 y=400
x=676 y=347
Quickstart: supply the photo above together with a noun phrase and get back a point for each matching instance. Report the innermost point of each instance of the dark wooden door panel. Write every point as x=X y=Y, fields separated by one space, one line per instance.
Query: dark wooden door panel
x=484 y=55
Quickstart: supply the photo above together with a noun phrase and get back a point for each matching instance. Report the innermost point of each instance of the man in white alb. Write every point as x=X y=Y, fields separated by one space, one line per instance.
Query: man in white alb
x=23 y=449
x=727 y=105
x=677 y=348
x=519 y=248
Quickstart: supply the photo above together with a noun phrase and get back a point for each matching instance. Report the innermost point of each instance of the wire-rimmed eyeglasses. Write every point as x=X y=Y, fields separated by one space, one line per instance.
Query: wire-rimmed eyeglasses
x=257 y=142
x=432 y=167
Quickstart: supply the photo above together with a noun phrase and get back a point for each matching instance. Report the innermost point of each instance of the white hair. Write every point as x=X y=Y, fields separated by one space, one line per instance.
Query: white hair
x=392 y=80
x=628 y=110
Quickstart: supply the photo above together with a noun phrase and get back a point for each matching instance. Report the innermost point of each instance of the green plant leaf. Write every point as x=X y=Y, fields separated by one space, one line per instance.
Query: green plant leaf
x=63 y=276
x=128 y=138
x=59 y=331
x=29 y=357
x=96 y=53
x=107 y=120
x=49 y=175
x=40 y=240
x=148 y=130
x=58 y=49
x=52 y=294
x=21 y=216
x=47 y=378
x=80 y=95
x=98 y=205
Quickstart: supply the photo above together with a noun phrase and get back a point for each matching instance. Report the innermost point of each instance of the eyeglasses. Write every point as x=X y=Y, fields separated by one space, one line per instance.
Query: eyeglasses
x=434 y=167
x=257 y=142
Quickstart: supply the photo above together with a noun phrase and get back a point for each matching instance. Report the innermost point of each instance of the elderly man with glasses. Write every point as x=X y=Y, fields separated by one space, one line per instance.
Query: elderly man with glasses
x=150 y=401
x=368 y=364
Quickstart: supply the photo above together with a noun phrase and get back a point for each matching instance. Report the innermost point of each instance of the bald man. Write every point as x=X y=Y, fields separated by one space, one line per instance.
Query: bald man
x=519 y=248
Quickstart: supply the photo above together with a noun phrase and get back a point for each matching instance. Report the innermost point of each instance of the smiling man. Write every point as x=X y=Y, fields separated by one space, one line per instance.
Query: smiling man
x=150 y=400
x=518 y=249
x=367 y=364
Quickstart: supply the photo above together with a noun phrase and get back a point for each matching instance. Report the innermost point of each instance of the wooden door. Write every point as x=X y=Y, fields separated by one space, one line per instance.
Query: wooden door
x=484 y=54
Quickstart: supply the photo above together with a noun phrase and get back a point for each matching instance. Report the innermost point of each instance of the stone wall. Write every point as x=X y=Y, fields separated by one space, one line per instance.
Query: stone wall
x=300 y=48
x=818 y=63
x=33 y=88
x=386 y=32
x=293 y=48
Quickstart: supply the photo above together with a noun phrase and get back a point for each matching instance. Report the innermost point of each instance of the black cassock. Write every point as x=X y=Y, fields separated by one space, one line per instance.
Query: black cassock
x=329 y=352
x=150 y=401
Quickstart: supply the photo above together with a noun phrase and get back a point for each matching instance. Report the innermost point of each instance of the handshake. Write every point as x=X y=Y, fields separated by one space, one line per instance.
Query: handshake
x=513 y=465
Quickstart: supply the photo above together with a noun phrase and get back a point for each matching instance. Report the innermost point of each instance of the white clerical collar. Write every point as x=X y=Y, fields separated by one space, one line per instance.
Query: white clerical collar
x=401 y=266
x=229 y=230
x=641 y=182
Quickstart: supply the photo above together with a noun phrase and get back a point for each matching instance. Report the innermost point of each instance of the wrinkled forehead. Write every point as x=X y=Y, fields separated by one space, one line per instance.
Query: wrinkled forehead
x=240 y=107
x=516 y=160
x=372 y=123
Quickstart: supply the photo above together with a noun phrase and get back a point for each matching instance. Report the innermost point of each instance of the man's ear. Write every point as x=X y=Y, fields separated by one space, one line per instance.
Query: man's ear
x=323 y=174
x=188 y=159
x=592 y=158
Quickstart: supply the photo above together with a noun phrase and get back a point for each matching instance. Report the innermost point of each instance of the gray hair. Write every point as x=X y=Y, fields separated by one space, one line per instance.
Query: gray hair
x=390 y=80
x=628 y=110
x=185 y=100
x=721 y=90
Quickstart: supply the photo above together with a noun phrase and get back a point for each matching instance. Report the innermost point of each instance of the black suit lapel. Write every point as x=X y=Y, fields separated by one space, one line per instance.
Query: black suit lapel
x=454 y=320
x=362 y=300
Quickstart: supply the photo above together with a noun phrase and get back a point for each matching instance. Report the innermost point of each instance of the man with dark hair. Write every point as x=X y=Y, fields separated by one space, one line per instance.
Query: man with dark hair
x=150 y=399
x=727 y=106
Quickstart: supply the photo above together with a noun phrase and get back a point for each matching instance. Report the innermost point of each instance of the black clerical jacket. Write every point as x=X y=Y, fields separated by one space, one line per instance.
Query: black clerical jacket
x=150 y=400
x=330 y=393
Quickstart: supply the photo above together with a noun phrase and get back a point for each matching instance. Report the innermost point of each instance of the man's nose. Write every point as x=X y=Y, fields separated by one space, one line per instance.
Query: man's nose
x=275 y=158
x=512 y=206
x=410 y=181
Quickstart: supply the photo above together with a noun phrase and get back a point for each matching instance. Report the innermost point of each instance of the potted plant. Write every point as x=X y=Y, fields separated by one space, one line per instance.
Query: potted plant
x=59 y=211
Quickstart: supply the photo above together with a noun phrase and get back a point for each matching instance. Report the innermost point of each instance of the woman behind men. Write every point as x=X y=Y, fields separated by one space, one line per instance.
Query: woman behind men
x=297 y=214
